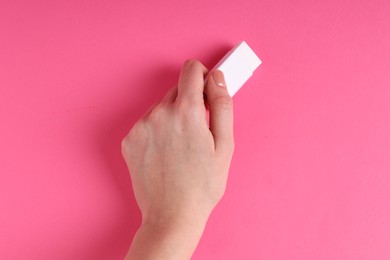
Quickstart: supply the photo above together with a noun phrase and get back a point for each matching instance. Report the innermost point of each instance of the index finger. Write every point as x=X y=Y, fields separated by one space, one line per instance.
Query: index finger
x=191 y=82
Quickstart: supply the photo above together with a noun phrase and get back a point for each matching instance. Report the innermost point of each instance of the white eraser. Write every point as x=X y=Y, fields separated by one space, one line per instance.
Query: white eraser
x=238 y=66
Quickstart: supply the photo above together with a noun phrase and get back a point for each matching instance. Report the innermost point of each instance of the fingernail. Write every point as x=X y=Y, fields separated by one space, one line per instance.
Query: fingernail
x=219 y=79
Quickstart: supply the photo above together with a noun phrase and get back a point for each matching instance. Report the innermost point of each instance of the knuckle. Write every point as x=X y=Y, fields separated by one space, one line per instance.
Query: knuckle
x=157 y=114
x=125 y=144
x=187 y=105
x=223 y=191
x=219 y=193
x=135 y=133
x=224 y=102
x=226 y=151
x=128 y=139
x=231 y=147
x=189 y=109
x=136 y=136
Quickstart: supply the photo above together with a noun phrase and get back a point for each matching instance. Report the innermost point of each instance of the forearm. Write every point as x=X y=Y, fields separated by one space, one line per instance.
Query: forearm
x=170 y=241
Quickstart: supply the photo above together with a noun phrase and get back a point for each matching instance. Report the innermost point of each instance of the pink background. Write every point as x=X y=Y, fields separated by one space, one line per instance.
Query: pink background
x=310 y=178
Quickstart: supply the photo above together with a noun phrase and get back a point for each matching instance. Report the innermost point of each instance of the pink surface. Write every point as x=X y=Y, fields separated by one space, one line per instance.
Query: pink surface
x=310 y=178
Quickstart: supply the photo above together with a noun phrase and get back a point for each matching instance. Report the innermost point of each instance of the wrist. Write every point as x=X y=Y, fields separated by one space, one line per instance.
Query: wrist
x=176 y=216
x=167 y=238
x=175 y=223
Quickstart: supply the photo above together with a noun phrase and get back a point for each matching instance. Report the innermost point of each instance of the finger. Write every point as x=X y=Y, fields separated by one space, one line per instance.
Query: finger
x=221 y=111
x=170 y=96
x=191 y=82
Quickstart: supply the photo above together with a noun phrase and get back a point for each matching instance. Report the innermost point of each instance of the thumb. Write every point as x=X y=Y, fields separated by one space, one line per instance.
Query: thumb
x=221 y=111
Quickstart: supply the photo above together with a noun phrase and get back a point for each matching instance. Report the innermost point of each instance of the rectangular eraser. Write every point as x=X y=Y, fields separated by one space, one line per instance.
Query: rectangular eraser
x=238 y=66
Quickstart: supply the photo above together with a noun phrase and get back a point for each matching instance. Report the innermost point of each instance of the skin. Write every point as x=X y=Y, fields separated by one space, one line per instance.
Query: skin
x=179 y=163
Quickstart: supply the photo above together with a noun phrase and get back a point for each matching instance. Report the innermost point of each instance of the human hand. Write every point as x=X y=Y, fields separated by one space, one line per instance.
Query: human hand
x=178 y=163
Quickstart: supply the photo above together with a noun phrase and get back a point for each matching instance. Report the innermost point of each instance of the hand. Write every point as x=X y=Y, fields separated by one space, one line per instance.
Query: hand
x=178 y=164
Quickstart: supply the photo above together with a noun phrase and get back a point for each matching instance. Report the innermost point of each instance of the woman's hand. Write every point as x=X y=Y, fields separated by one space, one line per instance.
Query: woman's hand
x=179 y=163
